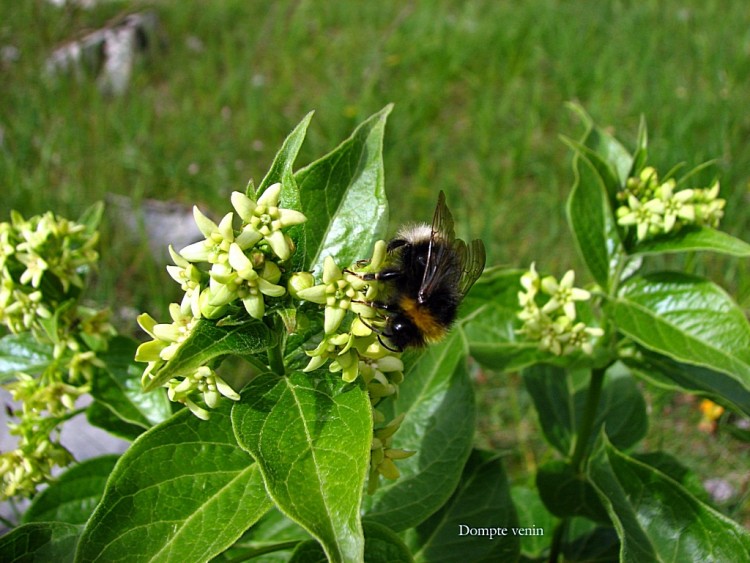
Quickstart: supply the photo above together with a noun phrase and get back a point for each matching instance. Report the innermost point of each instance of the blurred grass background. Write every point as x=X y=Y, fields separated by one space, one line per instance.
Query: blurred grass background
x=479 y=88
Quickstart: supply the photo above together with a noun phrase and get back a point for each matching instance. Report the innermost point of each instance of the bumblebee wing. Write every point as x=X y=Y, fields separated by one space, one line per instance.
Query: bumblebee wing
x=439 y=259
x=442 y=221
x=473 y=258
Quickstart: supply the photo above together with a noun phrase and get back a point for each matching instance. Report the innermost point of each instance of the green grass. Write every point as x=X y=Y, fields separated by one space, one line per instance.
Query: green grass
x=480 y=89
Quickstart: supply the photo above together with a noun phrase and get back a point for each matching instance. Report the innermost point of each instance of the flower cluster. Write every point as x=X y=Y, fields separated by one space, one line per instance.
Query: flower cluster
x=655 y=207
x=382 y=455
x=31 y=464
x=548 y=312
x=237 y=264
x=44 y=246
x=43 y=262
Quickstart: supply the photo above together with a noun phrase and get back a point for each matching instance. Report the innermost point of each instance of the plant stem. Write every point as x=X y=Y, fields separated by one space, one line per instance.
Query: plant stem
x=276 y=361
x=580 y=453
x=557 y=539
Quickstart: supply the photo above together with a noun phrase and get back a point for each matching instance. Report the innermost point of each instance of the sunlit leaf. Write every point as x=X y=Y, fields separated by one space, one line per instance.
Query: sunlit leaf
x=592 y=221
x=184 y=491
x=689 y=320
x=694 y=239
x=311 y=435
x=22 y=352
x=343 y=196
x=210 y=339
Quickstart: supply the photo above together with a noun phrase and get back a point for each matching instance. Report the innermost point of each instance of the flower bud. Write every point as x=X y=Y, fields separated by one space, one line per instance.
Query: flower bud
x=300 y=281
x=207 y=310
x=271 y=272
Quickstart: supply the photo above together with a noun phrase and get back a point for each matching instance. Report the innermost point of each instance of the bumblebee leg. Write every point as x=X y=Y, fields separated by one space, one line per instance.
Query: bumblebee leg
x=377 y=305
x=384 y=345
x=381 y=334
x=383 y=275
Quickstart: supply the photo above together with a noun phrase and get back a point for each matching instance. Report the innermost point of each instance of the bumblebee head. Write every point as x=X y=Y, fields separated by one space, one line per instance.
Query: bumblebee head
x=403 y=332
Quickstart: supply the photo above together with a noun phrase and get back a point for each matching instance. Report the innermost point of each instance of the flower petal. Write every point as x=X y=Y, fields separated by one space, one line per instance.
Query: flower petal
x=149 y=351
x=270 y=289
x=289 y=217
x=333 y=318
x=226 y=390
x=270 y=197
x=254 y=306
x=196 y=252
x=239 y=261
x=331 y=271
x=205 y=224
x=248 y=237
x=278 y=244
x=243 y=205
x=316 y=294
x=147 y=323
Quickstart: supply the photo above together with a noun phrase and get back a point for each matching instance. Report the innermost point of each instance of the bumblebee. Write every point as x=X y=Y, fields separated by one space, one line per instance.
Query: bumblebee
x=428 y=272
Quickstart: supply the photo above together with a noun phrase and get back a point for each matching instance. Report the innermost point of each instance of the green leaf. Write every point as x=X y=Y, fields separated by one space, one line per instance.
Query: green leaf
x=601 y=167
x=567 y=493
x=311 y=435
x=689 y=320
x=670 y=374
x=273 y=533
x=534 y=515
x=560 y=402
x=672 y=468
x=343 y=197
x=481 y=500
x=622 y=408
x=100 y=415
x=282 y=171
x=22 y=352
x=606 y=147
x=73 y=496
x=184 y=491
x=550 y=390
x=309 y=552
x=694 y=239
x=282 y=167
x=381 y=546
x=211 y=339
x=43 y=541
x=588 y=541
x=489 y=323
x=657 y=519
x=118 y=389
x=592 y=222
x=437 y=400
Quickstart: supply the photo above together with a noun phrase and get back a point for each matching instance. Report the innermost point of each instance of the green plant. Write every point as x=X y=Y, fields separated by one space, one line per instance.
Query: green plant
x=284 y=452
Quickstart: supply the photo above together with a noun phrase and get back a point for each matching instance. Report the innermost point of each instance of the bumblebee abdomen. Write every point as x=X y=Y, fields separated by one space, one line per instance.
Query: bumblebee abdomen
x=432 y=325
